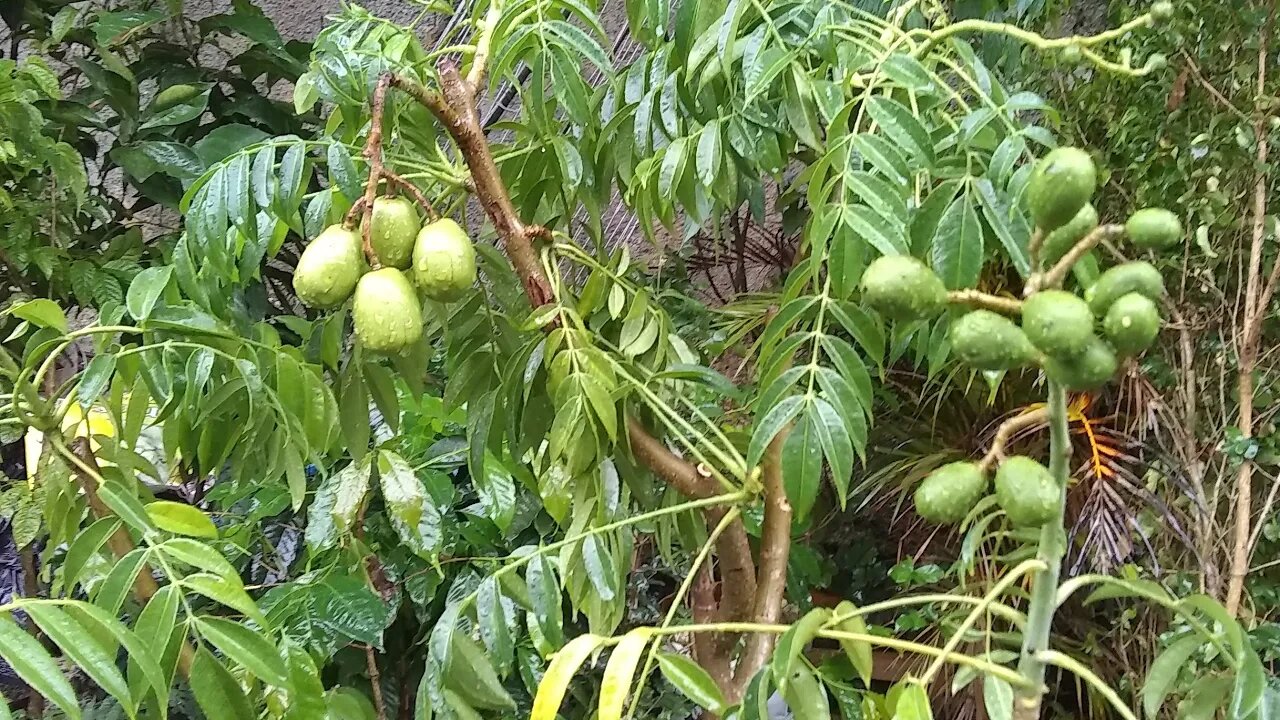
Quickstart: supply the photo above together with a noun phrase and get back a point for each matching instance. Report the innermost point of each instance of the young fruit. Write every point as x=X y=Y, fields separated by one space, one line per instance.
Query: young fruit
x=1061 y=183
x=1057 y=243
x=1027 y=492
x=393 y=228
x=329 y=268
x=386 y=314
x=1153 y=229
x=444 y=261
x=1072 y=54
x=987 y=341
x=1140 y=277
x=950 y=492
x=1132 y=324
x=1088 y=370
x=1057 y=322
x=1162 y=10
x=900 y=287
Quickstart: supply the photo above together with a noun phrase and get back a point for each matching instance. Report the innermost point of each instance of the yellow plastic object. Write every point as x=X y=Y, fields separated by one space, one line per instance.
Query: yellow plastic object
x=74 y=423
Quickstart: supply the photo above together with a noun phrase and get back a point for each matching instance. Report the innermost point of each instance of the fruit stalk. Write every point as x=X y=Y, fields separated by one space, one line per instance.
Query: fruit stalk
x=1005 y=433
x=1053 y=277
x=373 y=153
x=1035 y=638
x=976 y=299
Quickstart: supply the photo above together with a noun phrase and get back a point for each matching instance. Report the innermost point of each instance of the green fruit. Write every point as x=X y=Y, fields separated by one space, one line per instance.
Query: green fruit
x=804 y=694
x=386 y=314
x=1057 y=322
x=1140 y=277
x=900 y=287
x=987 y=341
x=1027 y=492
x=950 y=492
x=174 y=95
x=1072 y=54
x=444 y=261
x=1132 y=324
x=1088 y=370
x=1062 y=182
x=1156 y=61
x=1060 y=241
x=393 y=228
x=329 y=268
x=1162 y=10
x=1153 y=229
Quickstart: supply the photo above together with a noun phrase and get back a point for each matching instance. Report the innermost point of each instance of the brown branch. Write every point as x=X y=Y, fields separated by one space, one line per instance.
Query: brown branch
x=706 y=646
x=775 y=551
x=1006 y=432
x=120 y=544
x=373 y=153
x=454 y=106
x=413 y=190
x=1053 y=277
x=375 y=682
x=1213 y=91
x=1256 y=299
x=974 y=298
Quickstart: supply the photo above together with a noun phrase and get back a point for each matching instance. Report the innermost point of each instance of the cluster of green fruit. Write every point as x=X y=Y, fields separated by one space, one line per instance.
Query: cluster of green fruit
x=1058 y=330
x=387 y=310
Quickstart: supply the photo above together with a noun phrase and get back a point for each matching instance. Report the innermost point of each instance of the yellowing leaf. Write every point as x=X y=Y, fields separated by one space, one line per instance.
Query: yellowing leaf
x=618 y=673
x=181 y=519
x=560 y=673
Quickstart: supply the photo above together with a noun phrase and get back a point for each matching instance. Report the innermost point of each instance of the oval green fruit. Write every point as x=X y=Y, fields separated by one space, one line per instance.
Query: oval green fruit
x=393 y=228
x=988 y=341
x=900 y=287
x=444 y=261
x=329 y=268
x=1153 y=229
x=1132 y=324
x=1088 y=370
x=387 y=315
x=1140 y=277
x=950 y=492
x=174 y=95
x=1027 y=492
x=1061 y=183
x=1057 y=322
x=1162 y=10
x=1057 y=243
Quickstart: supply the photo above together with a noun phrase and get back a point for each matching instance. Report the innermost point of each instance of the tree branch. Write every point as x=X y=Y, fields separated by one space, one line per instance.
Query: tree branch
x=484 y=44
x=775 y=551
x=974 y=298
x=1053 y=277
x=1006 y=432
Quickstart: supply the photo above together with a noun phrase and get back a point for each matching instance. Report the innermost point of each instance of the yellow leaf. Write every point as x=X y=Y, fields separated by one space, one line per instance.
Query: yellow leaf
x=618 y=673
x=560 y=673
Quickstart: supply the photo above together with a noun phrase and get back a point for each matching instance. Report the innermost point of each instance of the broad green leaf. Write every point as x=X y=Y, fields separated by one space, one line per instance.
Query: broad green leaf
x=228 y=592
x=883 y=156
x=199 y=555
x=837 y=446
x=400 y=488
x=580 y=43
x=544 y=591
x=471 y=674
x=1251 y=683
x=353 y=412
x=154 y=628
x=32 y=663
x=95 y=379
x=957 y=245
x=99 y=624
x=1215 y=612
x=306 y=693
x=793 y=642
x=619 y=672
x=924 y=221
x=217 y=691
x=873 y=229
x=709 y=153
x=42 y=312
x=802 y=464
x=1164 y=671
x=1011 y=228
x=110 y=594
x=908 y=72
x=997 y=695
x=83 y=648
x=491 y=616
x=351 y=485
x=600 y=566
x=145 y=290
x=858 y=651
x=880 y=195
x=181 y=519
x=902 y=127
x=690 y=679
x=560 y=672
x=913 y=703
x=1205 y=698
x=768 y=427
x=343 y=171
x=85 y=546
x=253 y=651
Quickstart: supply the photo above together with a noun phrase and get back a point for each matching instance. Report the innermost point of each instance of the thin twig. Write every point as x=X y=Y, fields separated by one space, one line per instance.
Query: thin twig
x=413 y=190
x=1006 y=432
x=375 y=681
x=373 y=153
x=1053 y=277
x=975 y=298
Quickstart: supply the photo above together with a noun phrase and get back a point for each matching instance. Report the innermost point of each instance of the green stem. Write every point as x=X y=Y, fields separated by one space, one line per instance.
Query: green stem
x=1068 y=663
x=1044 y=590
